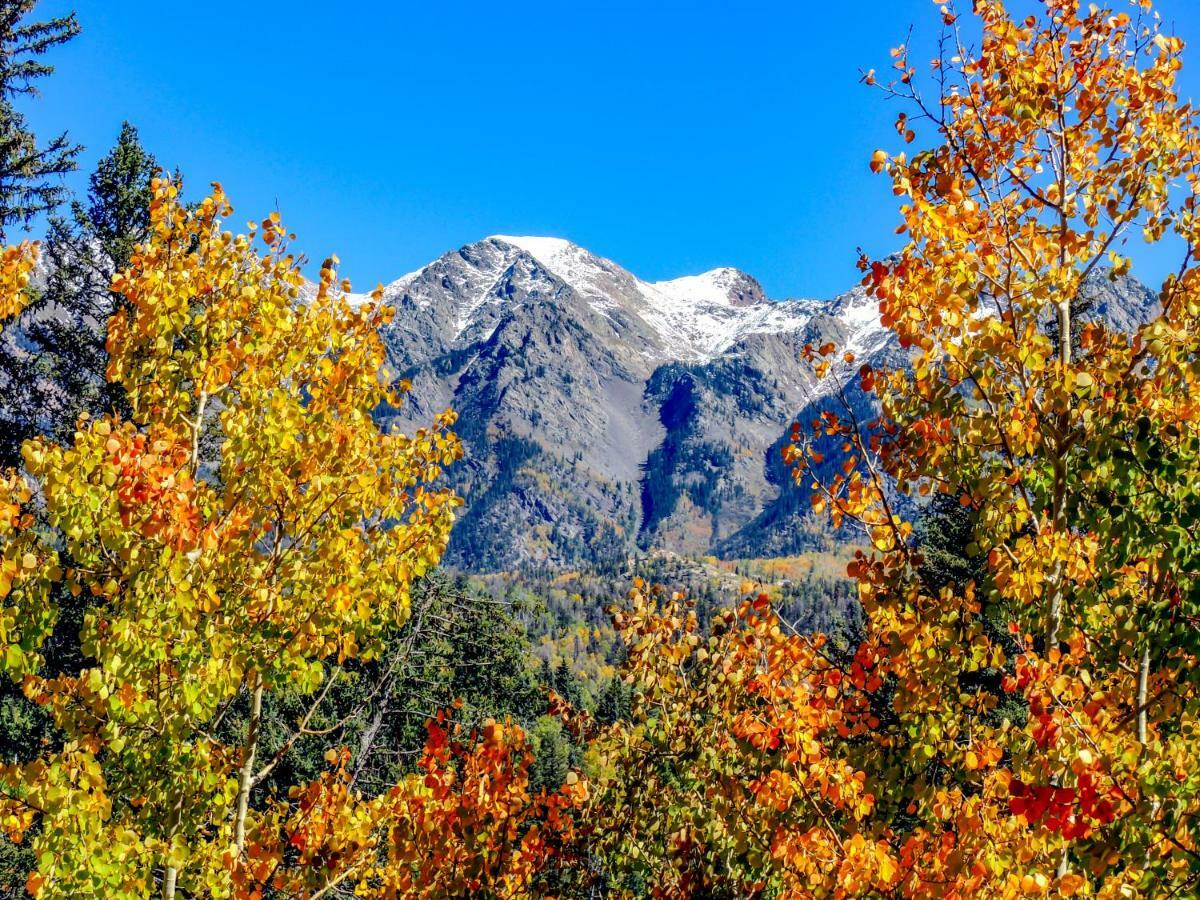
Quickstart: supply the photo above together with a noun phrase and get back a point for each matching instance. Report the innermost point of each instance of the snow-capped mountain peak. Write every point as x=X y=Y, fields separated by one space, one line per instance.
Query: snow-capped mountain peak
x=466 y=293
x=723 y=286
x=695 y=317
x=602 y=411
x=577 y=267
x=546 y=250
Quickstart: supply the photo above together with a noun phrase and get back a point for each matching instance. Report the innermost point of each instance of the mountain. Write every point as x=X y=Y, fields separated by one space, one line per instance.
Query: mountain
x=602 y=413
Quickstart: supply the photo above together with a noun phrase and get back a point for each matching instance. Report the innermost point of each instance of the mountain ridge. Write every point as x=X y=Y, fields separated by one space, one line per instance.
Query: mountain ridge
x=602 y=412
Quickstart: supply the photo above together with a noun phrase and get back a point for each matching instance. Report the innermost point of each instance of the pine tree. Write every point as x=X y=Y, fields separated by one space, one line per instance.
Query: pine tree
x=55 y=370
x=943 y=534
x=568 y=685
x=614 y=703
x=30 y=173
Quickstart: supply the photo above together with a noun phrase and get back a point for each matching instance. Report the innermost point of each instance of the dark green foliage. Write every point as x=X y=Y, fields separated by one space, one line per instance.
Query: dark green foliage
x=54 y=368
x=16 y=862
x=821 y=605
x=614 y=703
x=554 y=754
x=566 y=684
x=459 y=646
x=943 y=534
x=945 y=538
x=116 y=216
x=30 y=172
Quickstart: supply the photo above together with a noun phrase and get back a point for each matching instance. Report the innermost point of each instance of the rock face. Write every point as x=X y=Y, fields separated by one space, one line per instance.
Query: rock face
x=601 y=412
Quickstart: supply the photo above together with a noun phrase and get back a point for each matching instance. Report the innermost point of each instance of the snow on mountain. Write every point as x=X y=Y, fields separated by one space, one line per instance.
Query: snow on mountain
x=601 y=412
x=601 y=281
x=403 y=281
x=717 y=286
x=557 y=254
x=696 y=318
x=691 y=319
x=859 y=314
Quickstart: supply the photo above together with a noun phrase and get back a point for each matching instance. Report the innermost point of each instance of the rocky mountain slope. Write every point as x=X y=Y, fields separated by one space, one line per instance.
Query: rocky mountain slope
x=602 y=412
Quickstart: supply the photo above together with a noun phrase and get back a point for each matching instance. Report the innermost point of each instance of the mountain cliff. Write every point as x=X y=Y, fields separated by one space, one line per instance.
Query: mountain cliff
x=602 y=412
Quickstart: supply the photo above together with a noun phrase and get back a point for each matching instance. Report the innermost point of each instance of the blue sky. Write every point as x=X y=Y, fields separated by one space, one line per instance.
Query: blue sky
x=670 y=137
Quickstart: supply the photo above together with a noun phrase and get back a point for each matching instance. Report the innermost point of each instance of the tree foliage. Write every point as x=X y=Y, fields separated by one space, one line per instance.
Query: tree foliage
x=55 y=368
x=1019 y=717
x=1016 y=714
x=731 y=776
x=216 y=579
x=30 y=172
x=1073 y=451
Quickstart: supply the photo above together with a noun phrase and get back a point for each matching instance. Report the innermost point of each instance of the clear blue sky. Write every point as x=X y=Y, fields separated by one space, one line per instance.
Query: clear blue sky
x=671 y=137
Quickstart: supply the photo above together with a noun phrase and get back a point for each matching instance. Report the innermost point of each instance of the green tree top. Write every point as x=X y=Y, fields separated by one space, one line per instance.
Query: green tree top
x=30 y=172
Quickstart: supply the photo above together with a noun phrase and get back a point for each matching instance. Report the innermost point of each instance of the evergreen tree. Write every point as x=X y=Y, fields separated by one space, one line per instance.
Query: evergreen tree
x=943 y=534
x=614 y=703
x=553 y=754
x=54 y=370
x=567 y=684
x=30 y=173
x=459 y=647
